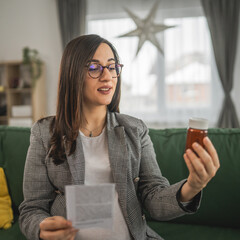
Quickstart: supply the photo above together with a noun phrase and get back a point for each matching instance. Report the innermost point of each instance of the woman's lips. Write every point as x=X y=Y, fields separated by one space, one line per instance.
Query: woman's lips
x=104 y=90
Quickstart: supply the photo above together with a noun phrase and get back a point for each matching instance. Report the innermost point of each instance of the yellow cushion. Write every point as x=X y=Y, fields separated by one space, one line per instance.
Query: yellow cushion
x=6 y=212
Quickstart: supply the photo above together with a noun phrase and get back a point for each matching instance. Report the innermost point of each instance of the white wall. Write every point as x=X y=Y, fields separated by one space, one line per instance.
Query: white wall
x=32 y=23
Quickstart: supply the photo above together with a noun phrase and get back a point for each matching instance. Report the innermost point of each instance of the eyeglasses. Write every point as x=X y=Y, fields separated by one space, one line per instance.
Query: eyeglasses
x=95 y=70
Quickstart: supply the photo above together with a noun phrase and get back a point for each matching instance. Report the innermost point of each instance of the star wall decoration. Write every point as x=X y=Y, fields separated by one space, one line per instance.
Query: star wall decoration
x=146 y=29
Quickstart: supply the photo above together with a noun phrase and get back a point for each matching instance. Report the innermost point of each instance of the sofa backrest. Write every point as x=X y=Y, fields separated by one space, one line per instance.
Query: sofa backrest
x=220 y=205
x=14 y=142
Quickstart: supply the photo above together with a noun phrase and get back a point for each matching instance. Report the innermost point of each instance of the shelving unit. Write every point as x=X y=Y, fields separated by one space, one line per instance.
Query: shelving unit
x=20 y=106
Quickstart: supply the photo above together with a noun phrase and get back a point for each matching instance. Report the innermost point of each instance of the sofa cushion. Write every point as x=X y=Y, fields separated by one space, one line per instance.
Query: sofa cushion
x=14 y=141
x=176 y=231
x=6 y=213
x=221 y=197
x=13 y=233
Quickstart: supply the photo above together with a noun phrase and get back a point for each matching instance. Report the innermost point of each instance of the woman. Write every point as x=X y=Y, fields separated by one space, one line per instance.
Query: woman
x=89 y=141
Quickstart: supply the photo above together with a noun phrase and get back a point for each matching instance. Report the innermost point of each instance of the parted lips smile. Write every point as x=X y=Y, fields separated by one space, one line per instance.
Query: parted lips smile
x=104 y=88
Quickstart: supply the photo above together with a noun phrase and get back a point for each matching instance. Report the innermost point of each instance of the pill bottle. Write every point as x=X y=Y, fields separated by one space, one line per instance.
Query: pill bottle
x=197 y=130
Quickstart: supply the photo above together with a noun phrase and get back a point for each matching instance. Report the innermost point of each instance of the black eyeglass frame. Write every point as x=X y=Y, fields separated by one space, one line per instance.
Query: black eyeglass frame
x=119 y=64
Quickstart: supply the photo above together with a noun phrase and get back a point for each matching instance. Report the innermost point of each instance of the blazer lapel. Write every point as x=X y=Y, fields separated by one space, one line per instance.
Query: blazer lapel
x=76 y=163
x=118 y=157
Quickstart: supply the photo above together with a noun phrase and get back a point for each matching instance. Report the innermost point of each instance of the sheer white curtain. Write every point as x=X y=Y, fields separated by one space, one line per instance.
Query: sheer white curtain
x=166 y=90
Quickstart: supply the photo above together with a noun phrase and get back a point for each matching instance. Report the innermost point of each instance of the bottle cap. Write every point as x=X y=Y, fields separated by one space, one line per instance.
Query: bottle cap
x=198 y=123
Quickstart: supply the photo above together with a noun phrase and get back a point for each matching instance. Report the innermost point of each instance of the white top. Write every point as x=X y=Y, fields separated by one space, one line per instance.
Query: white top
x=97 y=170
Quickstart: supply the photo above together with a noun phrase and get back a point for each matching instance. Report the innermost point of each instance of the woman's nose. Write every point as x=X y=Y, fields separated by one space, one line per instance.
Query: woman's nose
x=106 y=75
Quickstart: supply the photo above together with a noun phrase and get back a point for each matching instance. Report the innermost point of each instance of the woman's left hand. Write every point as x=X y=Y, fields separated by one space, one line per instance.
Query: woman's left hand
x=202 y=168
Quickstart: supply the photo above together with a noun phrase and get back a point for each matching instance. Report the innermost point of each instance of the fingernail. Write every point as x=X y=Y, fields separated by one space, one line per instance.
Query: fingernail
x=195 y=145
x=188 y=150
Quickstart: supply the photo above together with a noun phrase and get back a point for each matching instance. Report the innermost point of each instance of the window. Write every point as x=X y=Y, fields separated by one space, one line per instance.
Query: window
x=166 y=90
x=138 y=81
x=187 y=63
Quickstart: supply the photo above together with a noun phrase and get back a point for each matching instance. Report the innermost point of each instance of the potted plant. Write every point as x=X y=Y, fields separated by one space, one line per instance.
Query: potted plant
x=31 y=68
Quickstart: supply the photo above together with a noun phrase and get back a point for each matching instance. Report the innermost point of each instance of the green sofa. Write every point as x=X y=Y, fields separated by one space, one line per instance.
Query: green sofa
x=219 y=215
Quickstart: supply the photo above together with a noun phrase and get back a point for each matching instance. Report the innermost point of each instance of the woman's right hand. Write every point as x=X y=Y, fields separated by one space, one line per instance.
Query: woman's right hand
x=57 y=228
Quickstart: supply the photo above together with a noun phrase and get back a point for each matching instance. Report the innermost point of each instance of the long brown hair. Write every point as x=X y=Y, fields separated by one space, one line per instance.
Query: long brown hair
x=69 y=113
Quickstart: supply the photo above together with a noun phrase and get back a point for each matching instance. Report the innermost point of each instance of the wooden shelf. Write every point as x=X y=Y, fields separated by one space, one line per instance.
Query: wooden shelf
x=13 y=96
x=19 y=117
x=17 y=62
x=19 y=90
x=3 y=118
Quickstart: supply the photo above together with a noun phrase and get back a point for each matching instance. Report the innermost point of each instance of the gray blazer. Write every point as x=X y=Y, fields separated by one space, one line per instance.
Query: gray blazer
x=138 y=179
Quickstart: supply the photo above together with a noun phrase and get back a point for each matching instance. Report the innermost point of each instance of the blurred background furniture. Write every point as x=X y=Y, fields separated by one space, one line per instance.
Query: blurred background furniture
x=21 y=104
